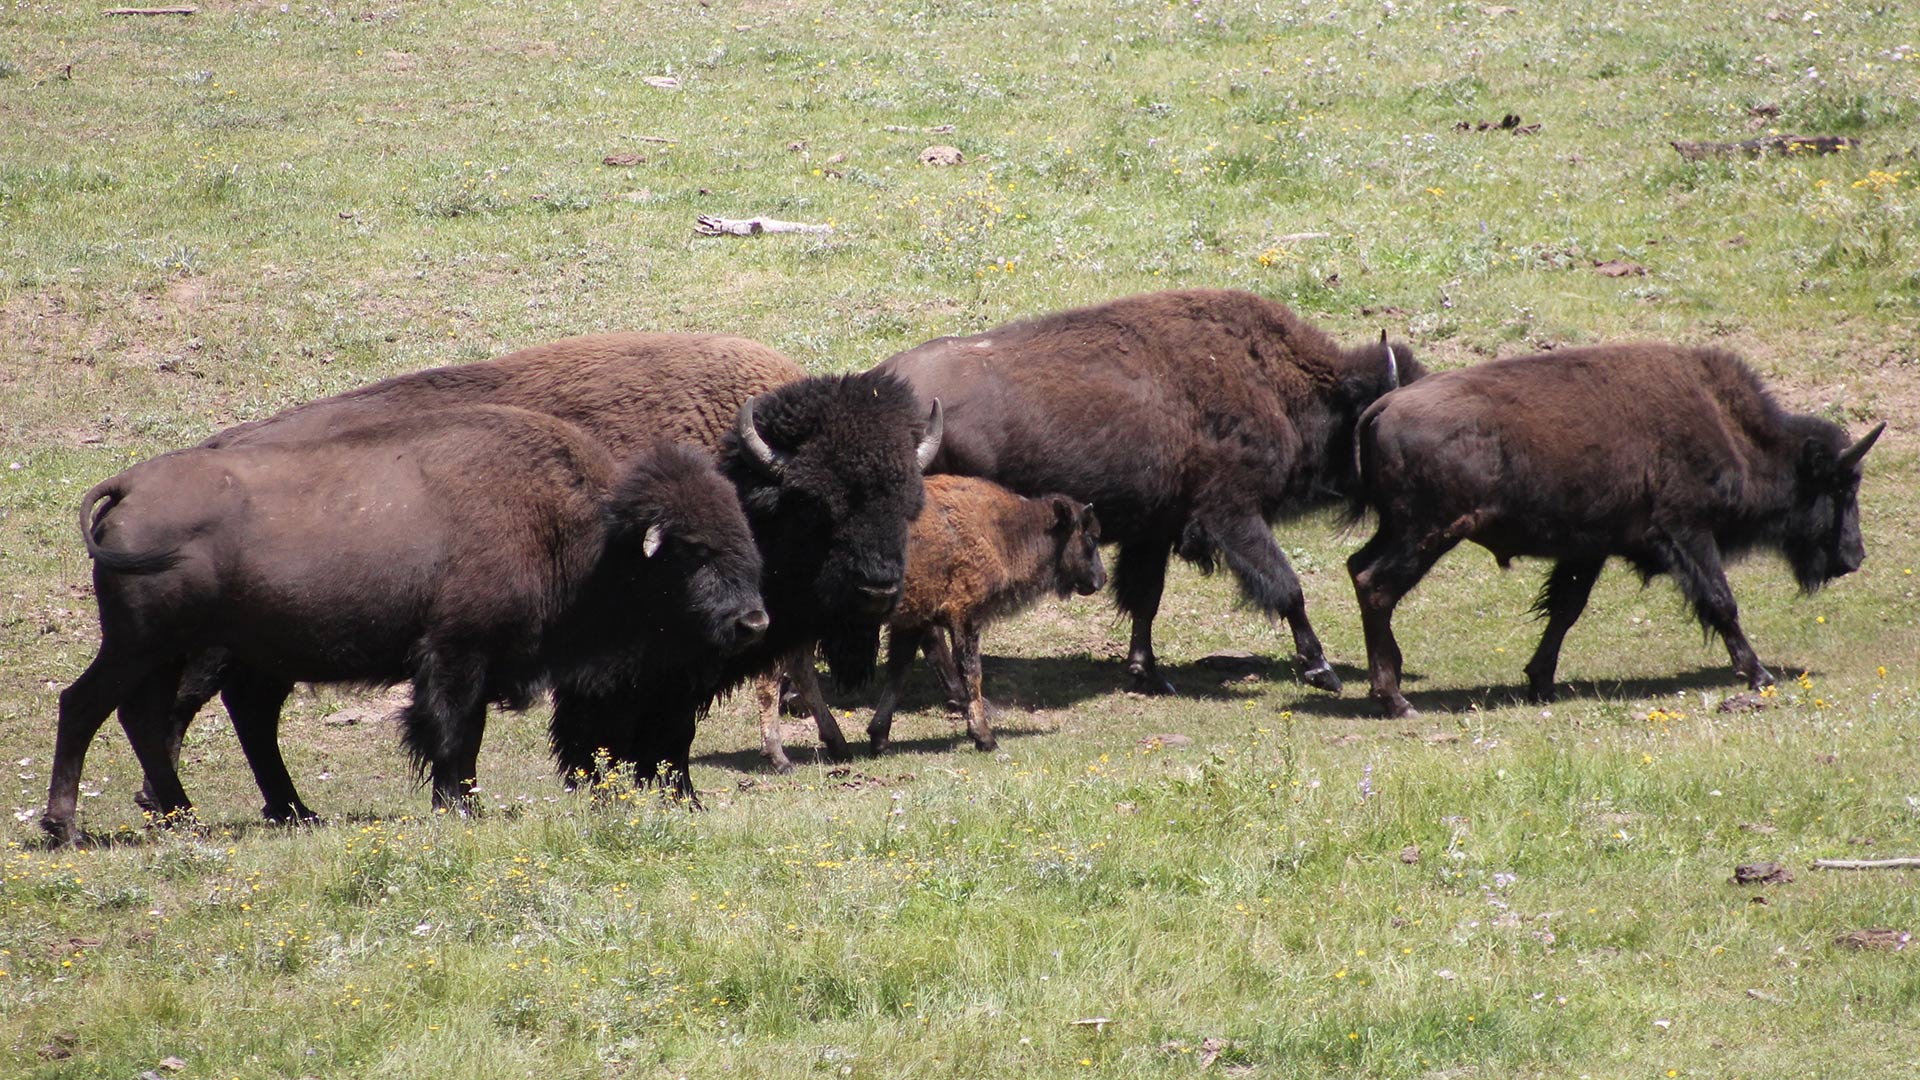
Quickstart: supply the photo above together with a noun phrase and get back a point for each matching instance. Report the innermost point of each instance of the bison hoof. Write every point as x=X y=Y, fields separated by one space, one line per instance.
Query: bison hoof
x=1760 y=679
x=1396 y=707
x=987 y=745
x=878 y=745
x=1148 y=680
x=782 y=766
x=289 y=815
x=837 y=752
x=60 y=830
x=1542 y=695
x=144 y=800
x=1322 y=677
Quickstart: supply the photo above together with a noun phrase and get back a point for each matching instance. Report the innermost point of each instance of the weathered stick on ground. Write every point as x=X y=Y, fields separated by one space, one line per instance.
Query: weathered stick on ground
x=1905 y=862
x=1779 y=144
x=708 y=225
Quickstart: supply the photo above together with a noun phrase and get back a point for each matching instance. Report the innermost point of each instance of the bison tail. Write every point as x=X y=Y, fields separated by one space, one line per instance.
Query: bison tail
x=92 y=514
x=1360 y=485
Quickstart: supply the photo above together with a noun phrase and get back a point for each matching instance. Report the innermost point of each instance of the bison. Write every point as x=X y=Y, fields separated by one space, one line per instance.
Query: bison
x=480 y=552
x=1193 y=420
x=1674 y=459
x=828 y=468
x=977 y=553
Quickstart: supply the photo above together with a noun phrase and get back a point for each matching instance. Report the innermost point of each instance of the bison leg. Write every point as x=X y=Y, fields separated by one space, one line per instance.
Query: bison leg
x=939 y=653
x=254 y=701
x=766 y=694
x=1385 y=569
x=444 y=725
x=1562 y=599
x=902 y=646
x=1139 y=577
x=84 y=706
x=966 y=650
x=198 y=684
x=1695 y=563
x=806 y=682
x=1267 y=580
x=146 y=715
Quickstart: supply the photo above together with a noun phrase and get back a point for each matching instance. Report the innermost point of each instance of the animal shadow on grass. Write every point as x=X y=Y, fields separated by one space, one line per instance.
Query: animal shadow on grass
x=1716 y=680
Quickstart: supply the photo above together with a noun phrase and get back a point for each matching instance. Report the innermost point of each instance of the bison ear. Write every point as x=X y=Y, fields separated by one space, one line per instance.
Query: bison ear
x=749 y=433
x=650 y=544
x=930 y=444
x=1064 y=511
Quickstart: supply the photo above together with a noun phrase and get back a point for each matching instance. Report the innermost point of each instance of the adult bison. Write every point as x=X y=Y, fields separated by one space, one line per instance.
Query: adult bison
x=1670 y=458
x=827 y=467
x=1192 y=421
x=479 y=552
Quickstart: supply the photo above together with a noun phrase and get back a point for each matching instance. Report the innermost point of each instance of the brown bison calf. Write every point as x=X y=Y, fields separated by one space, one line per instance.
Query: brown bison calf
x=977 y=553
x=482 y=552
x=1670 y=458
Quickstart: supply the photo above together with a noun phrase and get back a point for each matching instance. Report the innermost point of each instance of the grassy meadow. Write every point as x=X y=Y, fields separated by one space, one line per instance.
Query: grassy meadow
x=209 y=218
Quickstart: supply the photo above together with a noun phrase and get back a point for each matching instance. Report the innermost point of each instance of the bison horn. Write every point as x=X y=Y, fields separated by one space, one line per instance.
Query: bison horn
x=750 y=437
x=1859 y=450
x=1393 y=370
x=650 y=544
x=930 y=445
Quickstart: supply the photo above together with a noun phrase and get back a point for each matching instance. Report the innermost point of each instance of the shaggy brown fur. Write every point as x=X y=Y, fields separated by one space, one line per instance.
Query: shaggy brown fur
x=978 y=553
x=1190 y=420
x=1671 y=458
x=481 y=552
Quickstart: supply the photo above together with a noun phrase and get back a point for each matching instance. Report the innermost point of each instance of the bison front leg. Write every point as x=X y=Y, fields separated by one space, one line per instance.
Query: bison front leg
x=1385 y=569
x=444 y=725
x=1139 y=577
x=766 y=694
x=1562 y=599
x=806 y=683
x=902 y=647
x=1695 y=564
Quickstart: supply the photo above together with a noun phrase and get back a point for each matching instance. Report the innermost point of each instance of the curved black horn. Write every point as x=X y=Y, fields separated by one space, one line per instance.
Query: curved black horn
x=1859 y=450
x=930 y=445
x=750 y=437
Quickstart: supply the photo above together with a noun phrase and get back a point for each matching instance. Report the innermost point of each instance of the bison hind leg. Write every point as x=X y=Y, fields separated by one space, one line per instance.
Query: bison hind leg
x=1267 y=580
x=1139 y=577
x=1384 y=570
x=1563 y=596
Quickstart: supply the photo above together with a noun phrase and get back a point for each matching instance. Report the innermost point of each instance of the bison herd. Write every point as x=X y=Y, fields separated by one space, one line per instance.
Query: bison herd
x=636 y=524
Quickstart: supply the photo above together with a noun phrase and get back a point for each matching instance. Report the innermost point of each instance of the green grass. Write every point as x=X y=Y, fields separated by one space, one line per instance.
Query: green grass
x=205 y=220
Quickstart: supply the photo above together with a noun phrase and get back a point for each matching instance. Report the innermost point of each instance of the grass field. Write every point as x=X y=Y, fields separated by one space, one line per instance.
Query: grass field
x=209 y=218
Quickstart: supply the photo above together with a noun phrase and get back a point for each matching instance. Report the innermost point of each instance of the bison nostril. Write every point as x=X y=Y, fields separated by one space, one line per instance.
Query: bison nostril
x=753 y=622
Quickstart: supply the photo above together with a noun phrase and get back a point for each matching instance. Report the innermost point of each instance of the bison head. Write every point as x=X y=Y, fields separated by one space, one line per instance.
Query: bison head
x=1820 y=534
x=829 y=470
x=676 y=523
x=1077 y=533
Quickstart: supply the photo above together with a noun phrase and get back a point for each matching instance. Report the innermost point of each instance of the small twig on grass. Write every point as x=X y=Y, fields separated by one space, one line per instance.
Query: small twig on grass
x=1779 y=144
x=708 y=225
x=1905 y=862
x=150 y=11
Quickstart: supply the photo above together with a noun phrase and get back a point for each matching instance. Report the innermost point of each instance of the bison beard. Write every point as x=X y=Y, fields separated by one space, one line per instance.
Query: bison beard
x=1673 y=459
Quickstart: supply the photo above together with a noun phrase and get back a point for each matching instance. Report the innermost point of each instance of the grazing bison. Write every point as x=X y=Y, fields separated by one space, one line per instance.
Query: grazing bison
x=828 y=468
x=977 y=553
x=1670 y=458
x=1192 y=420
x=480 y=552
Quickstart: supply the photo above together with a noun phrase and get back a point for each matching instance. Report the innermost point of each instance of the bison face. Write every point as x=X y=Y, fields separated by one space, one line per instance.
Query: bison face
x=679 y=525
x=1077 y=532
x=1821 y=533
x=829 y=470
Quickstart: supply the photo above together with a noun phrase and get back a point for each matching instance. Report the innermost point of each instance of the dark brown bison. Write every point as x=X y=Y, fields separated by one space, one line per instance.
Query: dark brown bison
x=479 y=552
x=1191 y=421
x=828 y=468
x=1673 y=459
x=976 y=554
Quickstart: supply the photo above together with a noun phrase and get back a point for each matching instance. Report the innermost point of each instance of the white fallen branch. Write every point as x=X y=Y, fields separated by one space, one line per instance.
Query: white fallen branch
x=708 y=225
x=1905 y=862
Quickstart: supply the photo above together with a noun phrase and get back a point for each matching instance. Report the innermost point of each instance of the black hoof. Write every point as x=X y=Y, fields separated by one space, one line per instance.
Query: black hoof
x=1322 y=677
